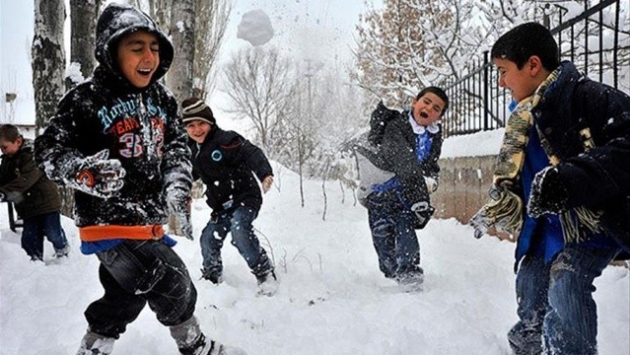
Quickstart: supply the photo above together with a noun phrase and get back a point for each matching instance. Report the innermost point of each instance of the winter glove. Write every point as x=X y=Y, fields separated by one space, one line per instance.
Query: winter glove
x=432 y=184
x=97 y=175
x=422 y=211
x=178 y=202
x=3 y=197
x=548 y=194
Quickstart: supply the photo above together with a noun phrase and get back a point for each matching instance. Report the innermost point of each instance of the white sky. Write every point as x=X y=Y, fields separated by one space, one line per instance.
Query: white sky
x=316 y=29
x=332 y=298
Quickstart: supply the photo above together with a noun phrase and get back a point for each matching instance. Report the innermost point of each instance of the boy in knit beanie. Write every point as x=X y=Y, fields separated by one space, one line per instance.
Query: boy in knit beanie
x=224 y=161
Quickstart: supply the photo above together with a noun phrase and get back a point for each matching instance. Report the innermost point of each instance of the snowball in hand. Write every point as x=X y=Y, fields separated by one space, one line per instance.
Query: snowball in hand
x=255 y=27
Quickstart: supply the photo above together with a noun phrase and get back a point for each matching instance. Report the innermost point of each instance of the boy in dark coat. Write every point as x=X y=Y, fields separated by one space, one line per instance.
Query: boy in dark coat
x=116 y=139
x=228 y=165
x=36 y=198
x=397 y=177
x=566 y=157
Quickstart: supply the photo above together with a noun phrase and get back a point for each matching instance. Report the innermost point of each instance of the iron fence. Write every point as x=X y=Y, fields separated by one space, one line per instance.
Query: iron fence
x=597 y=41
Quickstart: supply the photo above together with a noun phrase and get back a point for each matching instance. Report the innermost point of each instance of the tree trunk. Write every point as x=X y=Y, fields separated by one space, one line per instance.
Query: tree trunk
x=82 y=39
x=48 y=59
x=180 y=76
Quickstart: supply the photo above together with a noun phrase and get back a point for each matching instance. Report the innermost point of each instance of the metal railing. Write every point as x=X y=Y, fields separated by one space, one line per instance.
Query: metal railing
x=14 y=221
x=595 y=41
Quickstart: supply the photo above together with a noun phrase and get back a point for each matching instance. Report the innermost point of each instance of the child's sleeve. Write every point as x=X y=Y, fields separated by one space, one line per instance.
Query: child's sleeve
x=55 y=148
x=255 y=160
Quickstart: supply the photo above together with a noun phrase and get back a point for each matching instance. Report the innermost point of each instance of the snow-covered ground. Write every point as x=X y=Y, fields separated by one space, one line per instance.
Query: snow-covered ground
x=332 y=298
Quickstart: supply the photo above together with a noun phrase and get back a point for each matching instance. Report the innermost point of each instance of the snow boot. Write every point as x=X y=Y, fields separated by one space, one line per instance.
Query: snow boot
x=267 y=283
x=204 y=347
x=214 y=277
x=191 y=341
x=94 y=344
x=411 y=282
x=60 y=253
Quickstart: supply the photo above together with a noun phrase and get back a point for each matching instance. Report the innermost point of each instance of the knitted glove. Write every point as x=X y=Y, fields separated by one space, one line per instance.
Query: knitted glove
x=432 y=184
x=178 y=202
x=97 y=175
x=548 y=194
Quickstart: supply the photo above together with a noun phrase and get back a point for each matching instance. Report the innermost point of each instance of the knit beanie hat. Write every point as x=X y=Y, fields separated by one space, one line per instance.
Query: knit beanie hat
x=195 y=109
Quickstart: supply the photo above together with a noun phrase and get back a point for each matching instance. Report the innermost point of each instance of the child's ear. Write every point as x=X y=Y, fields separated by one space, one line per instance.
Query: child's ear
x=534 y=64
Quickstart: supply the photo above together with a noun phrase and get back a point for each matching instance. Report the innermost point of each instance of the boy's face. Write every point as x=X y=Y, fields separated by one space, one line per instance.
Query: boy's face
x=523 y=82
x=198 y=130
x=10 y=148
x=139 y=57
x=427 y=109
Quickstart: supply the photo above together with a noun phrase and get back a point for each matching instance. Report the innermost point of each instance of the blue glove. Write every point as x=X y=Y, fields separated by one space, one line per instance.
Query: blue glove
x=97 y=175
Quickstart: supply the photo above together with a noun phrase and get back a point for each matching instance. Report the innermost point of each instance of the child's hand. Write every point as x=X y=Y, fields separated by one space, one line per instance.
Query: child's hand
x=548 y=194
x=267 y=183
x=98 y=176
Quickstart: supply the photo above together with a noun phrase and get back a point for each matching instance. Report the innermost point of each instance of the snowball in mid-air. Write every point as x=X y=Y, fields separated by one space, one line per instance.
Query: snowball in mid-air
x=255 y=27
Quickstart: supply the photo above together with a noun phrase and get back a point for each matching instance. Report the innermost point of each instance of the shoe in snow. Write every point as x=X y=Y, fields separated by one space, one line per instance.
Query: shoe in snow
x=212 y=276
x=411 y=282
x=60 y=253
x=201 y=347
x=267 y=283
x=94 y=344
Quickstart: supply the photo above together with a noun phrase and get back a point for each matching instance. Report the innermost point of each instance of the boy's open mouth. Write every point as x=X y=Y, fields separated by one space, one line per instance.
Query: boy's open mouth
x=145 y=72
x=424 y=114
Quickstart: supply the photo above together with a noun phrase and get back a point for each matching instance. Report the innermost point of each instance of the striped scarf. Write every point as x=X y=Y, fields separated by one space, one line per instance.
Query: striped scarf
x=504 y=211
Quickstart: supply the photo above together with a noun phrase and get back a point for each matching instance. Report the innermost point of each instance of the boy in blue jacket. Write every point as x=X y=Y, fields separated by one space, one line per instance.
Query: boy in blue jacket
x=565 y=157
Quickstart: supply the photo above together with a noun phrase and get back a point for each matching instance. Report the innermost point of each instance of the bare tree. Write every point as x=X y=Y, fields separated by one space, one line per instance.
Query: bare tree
x=260 y=84
x=48 y=59
x=212 y=19
x=196 y=28
x=182 y=27
x=84 y=15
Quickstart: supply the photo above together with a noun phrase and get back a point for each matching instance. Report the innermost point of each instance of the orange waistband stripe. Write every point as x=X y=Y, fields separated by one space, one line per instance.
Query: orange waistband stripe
x=96 y=233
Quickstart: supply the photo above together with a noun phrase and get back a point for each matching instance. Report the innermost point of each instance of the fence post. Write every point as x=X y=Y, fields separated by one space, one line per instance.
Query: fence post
x=485 y=90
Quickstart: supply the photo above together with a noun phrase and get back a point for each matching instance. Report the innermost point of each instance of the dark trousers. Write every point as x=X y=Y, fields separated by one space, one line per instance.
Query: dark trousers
x=393 y=235
x=239 y=223
x=36 y=228
x=134 y=273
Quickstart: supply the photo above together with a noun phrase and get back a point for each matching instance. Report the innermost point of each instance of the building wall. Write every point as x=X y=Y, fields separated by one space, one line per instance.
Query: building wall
x=464 y=184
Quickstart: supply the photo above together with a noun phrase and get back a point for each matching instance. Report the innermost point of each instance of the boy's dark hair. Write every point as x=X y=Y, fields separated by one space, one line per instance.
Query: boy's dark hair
x=9 y=132
x=438 y=92
x=523 y=41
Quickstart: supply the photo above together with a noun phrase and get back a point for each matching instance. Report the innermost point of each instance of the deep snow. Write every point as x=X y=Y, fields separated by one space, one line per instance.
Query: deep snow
x=332 y=298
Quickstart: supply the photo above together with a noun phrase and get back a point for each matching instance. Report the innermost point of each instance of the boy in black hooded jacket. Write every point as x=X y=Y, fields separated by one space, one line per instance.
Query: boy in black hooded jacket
x=228 y=165
x=116 y=139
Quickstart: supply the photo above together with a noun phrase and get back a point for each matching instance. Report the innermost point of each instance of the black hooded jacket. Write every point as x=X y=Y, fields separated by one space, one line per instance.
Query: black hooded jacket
x=226 y=163
x=138 y=126
x=600 y=177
